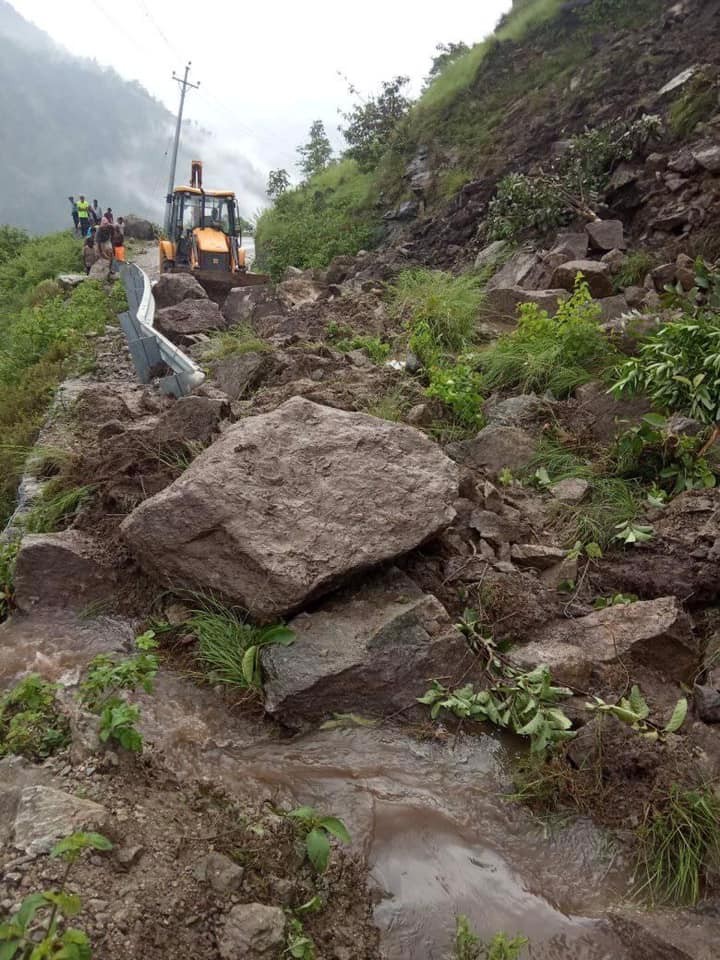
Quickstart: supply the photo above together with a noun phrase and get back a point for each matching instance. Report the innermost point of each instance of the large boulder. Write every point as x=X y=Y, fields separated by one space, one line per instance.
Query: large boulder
x=495 y=448
x=708 y=156
x=241 y=373
x=189 y=317
x=568 y=246
x=173 y=288
x=606 y=235
x=66 y=569
x=137 y=228
x=656 y=633
x=44 y=815
x=286 y=505
x=245 y=306
x=300 y=291
x=596 y=274
x=524 y=269
x=191 y=420
x=504 y=301
x=371 y=649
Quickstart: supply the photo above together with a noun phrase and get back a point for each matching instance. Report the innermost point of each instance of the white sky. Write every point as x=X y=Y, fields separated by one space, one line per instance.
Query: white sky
x=267 y=68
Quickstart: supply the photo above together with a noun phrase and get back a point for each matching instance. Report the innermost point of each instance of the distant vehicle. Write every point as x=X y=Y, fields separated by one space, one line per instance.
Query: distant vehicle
x=205 y=238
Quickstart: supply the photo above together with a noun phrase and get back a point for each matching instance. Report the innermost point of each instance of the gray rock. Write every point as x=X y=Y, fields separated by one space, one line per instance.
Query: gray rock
x=596 y=274
x=252 y=931
x=137 y=228
x=45 y=815
x=606 y=235
x=286 y=505
x=68 y=281
x=491 y=255
x=568 y=246
x=635 y=296
x=408 y=210
x=188 y=317
x=369 y=649
x=685 y=76
x=656 y=633
x=534 y=556
x=663 y=275
x=526 y=410
x=672 y=216
x=682 y=426
x=683 y=162
x=573 y=490
x=497 y=529
x=100 y=270
x=58 y=570
x=708 y=156
x=707 y=701
x=219 y=872
x=240 y=374
x=524 y=269
x=173 y=288
x=246 y=306
x=299 y=292
x=611 y=308
x=615 y=260
x=495 y=448
x=504 y=301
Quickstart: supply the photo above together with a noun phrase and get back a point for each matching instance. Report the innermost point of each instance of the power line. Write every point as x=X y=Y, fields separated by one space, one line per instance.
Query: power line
x=171 y=47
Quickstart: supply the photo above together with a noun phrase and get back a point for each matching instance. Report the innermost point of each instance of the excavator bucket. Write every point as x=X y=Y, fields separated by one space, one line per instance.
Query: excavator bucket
x=218 y=284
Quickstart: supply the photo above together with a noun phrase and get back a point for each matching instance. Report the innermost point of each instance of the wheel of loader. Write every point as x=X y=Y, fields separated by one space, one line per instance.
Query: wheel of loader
x=167 y=266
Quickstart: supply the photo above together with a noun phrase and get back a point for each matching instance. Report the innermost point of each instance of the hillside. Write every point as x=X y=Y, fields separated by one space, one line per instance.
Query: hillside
x=70 y=126
x=398 y=635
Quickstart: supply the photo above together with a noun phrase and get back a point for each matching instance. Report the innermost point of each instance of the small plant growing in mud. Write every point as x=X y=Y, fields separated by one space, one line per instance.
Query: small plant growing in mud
x=229 y=648
x=316 y=830
x=679 y=844
x=107 y=677
x=629 y=532
x=30 y=722
x=468 y=946
x=635 y=712
x=298 y=944
x=39 y=930
x=525 y=703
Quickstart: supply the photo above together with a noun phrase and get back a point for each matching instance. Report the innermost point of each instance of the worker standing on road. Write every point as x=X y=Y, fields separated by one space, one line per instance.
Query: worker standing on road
x=74 y=209
x=108 y=215
x=118 y=240
x=96 y=213
x=90 y=254
x=83 y=209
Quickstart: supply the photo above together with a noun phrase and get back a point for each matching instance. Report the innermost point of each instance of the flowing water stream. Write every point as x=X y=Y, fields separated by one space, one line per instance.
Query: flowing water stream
x=429 y=816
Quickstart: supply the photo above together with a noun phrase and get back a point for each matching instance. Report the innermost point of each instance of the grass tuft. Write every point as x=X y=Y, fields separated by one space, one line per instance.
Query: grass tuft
x=55 y=507
x=235 y=342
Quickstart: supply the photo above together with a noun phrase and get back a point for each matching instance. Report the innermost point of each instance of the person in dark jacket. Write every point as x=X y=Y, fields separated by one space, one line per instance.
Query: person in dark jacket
x=74 y=209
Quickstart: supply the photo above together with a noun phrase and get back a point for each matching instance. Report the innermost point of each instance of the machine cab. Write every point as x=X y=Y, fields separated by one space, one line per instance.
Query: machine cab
x=205 y=230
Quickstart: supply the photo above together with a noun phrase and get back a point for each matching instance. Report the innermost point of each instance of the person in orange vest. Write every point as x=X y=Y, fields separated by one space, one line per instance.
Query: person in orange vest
x=83 y=208
x=118 y=240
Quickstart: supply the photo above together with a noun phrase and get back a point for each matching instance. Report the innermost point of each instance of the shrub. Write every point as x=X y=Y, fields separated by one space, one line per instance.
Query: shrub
x=8 y=556
x=678 y=368
x=697 y=104
x=468 y=946
x=30 y=723
x=522 y=204
x=239 y=340
x=374 y=347
x=556 y=354
x=635 y=268
x=439 y=310
x=459 y=386
x=55 y=507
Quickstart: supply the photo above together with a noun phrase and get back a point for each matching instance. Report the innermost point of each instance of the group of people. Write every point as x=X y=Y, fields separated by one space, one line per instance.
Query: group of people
x=104 y=236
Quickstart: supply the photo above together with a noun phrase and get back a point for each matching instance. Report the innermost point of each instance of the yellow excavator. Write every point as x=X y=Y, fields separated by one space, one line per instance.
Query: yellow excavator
x=204 y=237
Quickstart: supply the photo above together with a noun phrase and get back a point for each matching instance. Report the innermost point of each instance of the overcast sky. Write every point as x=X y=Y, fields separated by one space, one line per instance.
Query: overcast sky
x=267 y=68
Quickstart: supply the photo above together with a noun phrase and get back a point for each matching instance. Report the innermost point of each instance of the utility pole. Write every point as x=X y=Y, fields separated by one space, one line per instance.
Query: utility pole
x=184 y=85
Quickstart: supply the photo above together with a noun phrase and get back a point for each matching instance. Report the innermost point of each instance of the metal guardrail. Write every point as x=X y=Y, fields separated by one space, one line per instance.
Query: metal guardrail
x=150 y=350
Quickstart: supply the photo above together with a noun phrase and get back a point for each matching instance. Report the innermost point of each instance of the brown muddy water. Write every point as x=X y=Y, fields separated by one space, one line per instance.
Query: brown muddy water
x=429 y=817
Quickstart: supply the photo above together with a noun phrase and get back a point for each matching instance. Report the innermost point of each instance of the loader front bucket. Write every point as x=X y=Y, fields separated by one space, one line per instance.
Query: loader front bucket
x=217 y=285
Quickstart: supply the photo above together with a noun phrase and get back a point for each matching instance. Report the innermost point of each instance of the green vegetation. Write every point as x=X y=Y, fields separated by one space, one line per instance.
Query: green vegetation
x=635 y=268
x=39 y=929
x=372 y=124
x=329 y=215
x=235 y=342
x=104 y=681
x=31 y=724
x=679 y=845
x=635 y=713
x=229 y=647
x=550 y=353
x=55 y=506
x=468 y=946
x=522 y=204
x=8 y=556
x=44 y=340
x=698 y=103
x=315 y=154
x=525 y=703
x=316 y=830
x=374 y=347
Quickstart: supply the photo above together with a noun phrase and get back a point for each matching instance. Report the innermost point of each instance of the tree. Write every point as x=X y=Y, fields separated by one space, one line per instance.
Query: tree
x=446 y=54
x=277 y=184
x=316 y=153
x=371 y=124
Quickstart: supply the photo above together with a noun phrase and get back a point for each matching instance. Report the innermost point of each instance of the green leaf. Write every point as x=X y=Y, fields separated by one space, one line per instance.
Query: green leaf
x=9 y=949
x=28 y=908
x=282 y=635
x=77 y=842
x=336 y=827
x=678 y=716
x=655 y=420
x=249 y=664
x=594 y=551
x=318 y=849
x=638 y=705
x=303 y=813
x=68 y=904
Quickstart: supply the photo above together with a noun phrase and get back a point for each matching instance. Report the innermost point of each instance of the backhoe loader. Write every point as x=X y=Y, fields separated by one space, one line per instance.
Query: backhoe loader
x=205 y=238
